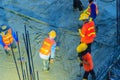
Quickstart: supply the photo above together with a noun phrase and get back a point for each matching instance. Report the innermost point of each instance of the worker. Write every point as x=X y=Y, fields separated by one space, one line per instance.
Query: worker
x=8 y=38
x=87 y=32
x=92 y=9
x=47 y=50
x=85 y=61
x=77 y=4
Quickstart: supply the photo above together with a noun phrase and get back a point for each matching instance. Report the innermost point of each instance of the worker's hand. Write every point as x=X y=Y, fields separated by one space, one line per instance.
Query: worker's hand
x=6 y=48
x=78 y=59
x=79 y=31
x=57 y=48
x=51 y=60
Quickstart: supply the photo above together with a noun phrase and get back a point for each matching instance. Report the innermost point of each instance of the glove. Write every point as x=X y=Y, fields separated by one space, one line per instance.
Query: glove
x=51 y=61
x=57 y=48
x=79 y=30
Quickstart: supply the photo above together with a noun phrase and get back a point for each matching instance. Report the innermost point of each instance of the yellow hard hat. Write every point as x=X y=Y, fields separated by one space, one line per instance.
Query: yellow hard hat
x=52 y=34
x=81 y=47
x=84 y=16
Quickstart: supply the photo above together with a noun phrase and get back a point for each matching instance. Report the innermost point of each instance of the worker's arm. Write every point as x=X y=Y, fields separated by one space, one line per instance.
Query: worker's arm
x=53 y=51
x=83 y=30
x=1 y=42
x=14 y=36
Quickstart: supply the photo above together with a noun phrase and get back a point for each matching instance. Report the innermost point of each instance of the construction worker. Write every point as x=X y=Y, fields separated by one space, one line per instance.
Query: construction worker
x=7 y=38
x=92 y=9
x=87 y=32
x=47 y=50
x=77 y=4
x=85 y=61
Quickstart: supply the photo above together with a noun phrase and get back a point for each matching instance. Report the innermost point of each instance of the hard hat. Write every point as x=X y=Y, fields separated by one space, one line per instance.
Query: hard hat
x=4 y=28
x=84 y=16
x=52 y=34
x=81 y=47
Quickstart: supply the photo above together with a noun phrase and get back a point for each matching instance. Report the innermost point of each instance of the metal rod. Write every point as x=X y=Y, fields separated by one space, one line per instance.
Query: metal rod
x=28 y=53
x=15 y=63
x=26 y=70
x=37 y=75
x=24 y=74
x=29 y=44
x=20 y=57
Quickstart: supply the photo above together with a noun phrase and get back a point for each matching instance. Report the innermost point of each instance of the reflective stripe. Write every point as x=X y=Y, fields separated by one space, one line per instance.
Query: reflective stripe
x=7 y=39
x=46 y=46
x=46 y=43
x=93 y=33
x=90 y=28
x=87 y=11
x=44 y=50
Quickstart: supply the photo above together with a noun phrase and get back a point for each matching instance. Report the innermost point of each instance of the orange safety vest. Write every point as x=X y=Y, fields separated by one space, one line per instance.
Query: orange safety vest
x=88 y=64
x=89 y=9
x=8 y=38
x=88 y=32
x=46 y=46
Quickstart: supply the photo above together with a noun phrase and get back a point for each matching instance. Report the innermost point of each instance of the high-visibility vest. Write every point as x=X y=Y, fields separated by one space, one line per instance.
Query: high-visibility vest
x=8 y=38
x=46 y=46
x=88 y=10
x=88 y=64
x=88 y=32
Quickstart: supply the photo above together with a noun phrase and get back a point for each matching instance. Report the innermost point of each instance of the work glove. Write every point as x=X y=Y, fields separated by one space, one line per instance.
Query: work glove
x=79 y=31
x=57 y=47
